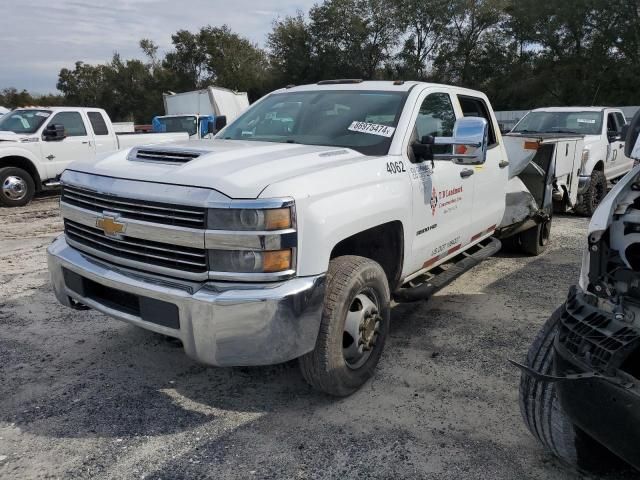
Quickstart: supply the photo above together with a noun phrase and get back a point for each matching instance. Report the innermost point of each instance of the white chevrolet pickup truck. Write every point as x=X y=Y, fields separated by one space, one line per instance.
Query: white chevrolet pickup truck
x=289 y=234
x=601 y=158
x=37 y=144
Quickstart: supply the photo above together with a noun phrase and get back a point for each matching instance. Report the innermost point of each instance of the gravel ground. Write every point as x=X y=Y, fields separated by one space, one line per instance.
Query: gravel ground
x=85 y=396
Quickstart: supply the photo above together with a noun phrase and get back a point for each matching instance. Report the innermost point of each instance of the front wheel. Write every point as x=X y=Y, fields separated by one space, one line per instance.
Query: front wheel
x=543 y=415
x=594 y=194
x=354 y=327
x=16 y=187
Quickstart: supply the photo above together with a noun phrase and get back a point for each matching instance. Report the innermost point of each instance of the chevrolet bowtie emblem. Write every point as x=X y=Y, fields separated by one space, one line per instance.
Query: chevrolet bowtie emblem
x=110 y=225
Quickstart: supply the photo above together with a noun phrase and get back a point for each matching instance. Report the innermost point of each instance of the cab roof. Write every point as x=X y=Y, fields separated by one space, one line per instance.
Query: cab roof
x=379 y=85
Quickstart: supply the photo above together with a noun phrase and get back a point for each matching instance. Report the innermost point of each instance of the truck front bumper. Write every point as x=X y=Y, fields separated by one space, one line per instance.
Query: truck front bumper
x=220 y=324
x=591 y=340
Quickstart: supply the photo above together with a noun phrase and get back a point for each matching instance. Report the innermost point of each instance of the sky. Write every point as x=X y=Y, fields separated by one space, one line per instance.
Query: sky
x=39 y=37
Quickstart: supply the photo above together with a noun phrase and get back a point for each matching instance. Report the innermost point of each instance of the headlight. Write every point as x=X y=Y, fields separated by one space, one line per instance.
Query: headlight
x=245 y=219
x=252 y=240
x=584 y=160
x=250 y=261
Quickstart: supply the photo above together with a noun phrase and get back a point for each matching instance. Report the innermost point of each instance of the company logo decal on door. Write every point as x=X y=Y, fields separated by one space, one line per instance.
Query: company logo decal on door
x=445 y=200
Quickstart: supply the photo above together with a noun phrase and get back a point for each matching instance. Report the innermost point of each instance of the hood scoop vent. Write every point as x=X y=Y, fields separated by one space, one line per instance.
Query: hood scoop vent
x=160 y=155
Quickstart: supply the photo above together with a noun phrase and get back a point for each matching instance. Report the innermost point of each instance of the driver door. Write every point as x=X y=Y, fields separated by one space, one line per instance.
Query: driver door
x=615 y=149
x=77 y=144
x=442 y=191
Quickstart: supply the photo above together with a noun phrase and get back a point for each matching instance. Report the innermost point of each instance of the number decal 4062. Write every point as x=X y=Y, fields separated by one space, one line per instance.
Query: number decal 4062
x=395 y=167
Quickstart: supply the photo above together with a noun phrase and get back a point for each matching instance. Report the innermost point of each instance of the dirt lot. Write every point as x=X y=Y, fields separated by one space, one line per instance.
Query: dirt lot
x=84 y=396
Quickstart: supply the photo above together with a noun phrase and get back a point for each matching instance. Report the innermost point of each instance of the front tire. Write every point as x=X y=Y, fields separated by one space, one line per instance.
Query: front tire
x=594 y=194
x=354 y=327
x=543 y=414
x=16 y=187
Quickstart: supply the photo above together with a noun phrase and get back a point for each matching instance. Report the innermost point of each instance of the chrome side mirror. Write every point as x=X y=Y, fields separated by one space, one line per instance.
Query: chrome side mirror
x=470 y=142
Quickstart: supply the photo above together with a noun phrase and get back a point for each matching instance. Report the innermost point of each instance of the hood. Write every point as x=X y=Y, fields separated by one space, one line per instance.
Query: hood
x=7 y=136
x=238 y=169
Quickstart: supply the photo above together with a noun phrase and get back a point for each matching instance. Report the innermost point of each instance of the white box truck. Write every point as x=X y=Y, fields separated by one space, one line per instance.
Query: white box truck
x=192 y=112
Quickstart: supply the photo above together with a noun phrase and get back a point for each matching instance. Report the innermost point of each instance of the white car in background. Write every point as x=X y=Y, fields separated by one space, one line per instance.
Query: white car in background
x=602 y=158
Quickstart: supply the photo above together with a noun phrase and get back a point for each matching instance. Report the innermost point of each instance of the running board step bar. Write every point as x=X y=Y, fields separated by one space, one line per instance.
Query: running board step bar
x=446 y=273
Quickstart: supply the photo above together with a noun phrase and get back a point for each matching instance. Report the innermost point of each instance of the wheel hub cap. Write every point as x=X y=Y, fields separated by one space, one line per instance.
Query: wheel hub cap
x=361 y=330
x=14 y=188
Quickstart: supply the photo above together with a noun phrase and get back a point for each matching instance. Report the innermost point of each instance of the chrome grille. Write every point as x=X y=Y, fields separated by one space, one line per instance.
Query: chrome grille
x=182 y=259
x=163 y=156
x=162 y=213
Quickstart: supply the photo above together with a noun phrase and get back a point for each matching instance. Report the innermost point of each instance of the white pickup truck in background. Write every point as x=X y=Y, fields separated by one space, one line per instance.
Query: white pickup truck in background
x=37 y=144
x=600 y=160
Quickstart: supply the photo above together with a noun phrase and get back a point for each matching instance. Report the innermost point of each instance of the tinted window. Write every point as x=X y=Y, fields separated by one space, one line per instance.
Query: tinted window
x=436 y=116
x=611 y=123
x=72 y=123
x=362 y=120
x=621 y=120
x=475 y=107
x=98 y=124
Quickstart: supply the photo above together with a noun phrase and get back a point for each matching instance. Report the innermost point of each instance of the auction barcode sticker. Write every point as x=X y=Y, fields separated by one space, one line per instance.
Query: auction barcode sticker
x=372 y=128
x=586 y=120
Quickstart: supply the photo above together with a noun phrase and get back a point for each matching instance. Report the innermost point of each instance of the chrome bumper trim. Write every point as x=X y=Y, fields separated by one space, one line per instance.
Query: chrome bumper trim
x=220 y=324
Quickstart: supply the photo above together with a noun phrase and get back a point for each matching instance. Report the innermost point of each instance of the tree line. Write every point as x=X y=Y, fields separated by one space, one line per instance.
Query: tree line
x=521 y=53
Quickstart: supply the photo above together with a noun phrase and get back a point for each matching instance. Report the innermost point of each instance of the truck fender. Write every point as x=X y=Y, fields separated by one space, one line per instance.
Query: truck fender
x=324 y=220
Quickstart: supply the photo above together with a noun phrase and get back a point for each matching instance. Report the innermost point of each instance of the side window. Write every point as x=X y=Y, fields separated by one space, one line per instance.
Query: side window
x=98 y=124
x=621 y=120
x=436 y=118
x=476 y=107
x=611 y=123
x=72 y=123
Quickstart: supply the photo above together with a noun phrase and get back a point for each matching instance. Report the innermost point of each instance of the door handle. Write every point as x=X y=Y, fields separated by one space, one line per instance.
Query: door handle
x=467 y=172
x=503 y=164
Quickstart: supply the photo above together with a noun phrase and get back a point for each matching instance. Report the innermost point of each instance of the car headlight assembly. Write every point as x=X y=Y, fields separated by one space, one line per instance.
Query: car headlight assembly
x=251 y=261
x=249 y=219
x=245 y=243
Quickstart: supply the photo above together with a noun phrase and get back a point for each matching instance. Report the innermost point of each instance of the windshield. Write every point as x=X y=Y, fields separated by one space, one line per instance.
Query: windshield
x=187 y=124
x=583 y=123
x=23 y=121
x=362 y=120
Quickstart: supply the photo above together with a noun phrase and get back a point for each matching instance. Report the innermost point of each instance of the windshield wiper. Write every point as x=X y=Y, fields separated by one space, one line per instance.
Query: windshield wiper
x=563 y=131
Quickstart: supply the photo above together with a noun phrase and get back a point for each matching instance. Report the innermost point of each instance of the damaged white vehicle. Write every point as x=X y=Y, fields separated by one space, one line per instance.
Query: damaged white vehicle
x=580 y=388
x=288 y=235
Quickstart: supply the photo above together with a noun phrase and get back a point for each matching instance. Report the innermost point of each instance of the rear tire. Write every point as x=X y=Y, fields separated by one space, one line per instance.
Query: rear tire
x=543 y=414
x=332 y=366
x=16 y=187
x=535 y=240
x=594 y=194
